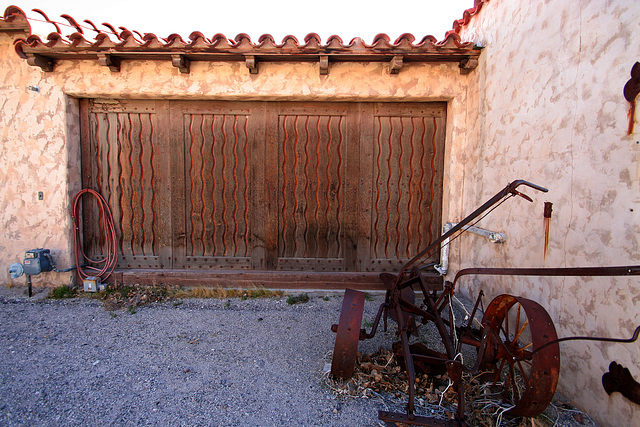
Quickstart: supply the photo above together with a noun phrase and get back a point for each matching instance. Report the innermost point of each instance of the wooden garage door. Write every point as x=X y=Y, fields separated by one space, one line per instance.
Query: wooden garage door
x=264 y=185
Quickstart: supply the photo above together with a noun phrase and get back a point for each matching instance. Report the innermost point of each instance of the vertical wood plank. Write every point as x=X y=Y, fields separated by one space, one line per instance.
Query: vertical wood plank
x=87 y=145
x=351 y=172
x=163 y=184
x=271 y=174
x=261 y=178
x=177 y=142
x=113 y=189
x=366 y=146
x=137 y=192
x=208 y=190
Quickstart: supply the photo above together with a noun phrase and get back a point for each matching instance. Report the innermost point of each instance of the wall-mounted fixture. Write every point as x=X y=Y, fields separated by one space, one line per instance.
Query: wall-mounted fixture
x=493 y=236
x=631 y=91
x=35 y=261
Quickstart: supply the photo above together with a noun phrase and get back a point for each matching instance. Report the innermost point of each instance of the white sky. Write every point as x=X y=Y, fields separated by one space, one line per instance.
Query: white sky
x=345 y=18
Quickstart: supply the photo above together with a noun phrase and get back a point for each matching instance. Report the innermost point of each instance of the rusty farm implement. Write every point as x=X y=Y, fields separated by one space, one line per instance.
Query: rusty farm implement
x=516 y=342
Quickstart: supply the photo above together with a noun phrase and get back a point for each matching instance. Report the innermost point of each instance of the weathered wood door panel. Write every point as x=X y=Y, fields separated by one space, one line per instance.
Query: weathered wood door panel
x=123 y=159
x=406 y=181
x=213 y=201
x=315 y=150
x=265 y=185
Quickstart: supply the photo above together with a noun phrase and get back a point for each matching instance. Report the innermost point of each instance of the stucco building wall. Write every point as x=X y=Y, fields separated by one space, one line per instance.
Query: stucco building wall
x=550 y=109
x=545 y=105
x=41 y=130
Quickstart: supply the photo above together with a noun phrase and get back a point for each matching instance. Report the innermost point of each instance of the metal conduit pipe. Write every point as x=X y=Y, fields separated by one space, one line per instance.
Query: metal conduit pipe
x=493 y=236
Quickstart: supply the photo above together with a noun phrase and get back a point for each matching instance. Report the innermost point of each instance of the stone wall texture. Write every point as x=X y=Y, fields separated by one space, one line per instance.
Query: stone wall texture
x=550 y=109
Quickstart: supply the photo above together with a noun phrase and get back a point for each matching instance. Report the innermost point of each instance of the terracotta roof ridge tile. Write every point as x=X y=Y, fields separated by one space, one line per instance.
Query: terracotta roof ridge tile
x=175 y=40
x=406 y=36
x=151 y=41
x=381 y=36
x=242 y=36
x=289 y=40
x=103 y=40
x=112 y=29
x=78 y=40
x=13 y=10
x=428 y=39
x=33 y=38
x=334 y=39
x=73 y=23
x=357 y=43
x=220 y=41
x=198 y=40
x=93 y=25
x=128 y=39
x=14 y=16
x=452 y=40
x=54 y=39
x=267 y=42
x=127 y=44
x=313 y=36
x=466 y=16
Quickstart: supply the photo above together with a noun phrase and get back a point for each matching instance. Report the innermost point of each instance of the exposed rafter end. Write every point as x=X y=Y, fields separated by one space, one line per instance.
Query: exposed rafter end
x=181 y=62
x=324 y=65
x=109 y=61
x=469 y=64
x=251 y=63
x=396 y=64
x=46 y=64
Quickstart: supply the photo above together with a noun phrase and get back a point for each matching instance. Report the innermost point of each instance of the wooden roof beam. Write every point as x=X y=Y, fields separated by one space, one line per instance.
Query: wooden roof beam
x=46 y=64
x=181 y=62
x=396 y=64
x=109 y=61
x=251 y=63
x=324 y=65
x=468 y=64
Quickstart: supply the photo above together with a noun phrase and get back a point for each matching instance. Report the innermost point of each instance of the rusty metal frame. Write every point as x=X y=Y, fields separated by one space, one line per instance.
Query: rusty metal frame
x=544 y=353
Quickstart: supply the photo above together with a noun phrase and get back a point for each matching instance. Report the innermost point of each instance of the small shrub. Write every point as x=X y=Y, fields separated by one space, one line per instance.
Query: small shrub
x=298 y=299
x=64 y=291
x=367 y=323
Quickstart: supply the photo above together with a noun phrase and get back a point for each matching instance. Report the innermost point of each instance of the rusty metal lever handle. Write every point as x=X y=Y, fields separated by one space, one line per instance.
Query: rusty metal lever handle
x=509 y=189
x=524 y=196
x=633 y=338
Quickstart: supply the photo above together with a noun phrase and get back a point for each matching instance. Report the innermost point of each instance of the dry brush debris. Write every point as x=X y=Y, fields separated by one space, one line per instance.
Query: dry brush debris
x=381 y=376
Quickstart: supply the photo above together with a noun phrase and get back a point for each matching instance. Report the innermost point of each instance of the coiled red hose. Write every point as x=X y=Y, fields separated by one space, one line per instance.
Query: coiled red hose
x=111 y=258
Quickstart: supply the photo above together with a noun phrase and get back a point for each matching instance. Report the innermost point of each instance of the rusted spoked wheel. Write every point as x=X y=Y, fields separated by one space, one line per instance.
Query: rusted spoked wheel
x=347 y=334
x=515 y=328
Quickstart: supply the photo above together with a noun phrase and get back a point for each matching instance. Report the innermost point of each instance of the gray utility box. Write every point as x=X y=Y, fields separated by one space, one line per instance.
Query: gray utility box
x=37 y=261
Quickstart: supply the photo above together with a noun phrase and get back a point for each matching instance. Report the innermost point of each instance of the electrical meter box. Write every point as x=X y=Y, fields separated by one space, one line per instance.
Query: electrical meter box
x=37 y=261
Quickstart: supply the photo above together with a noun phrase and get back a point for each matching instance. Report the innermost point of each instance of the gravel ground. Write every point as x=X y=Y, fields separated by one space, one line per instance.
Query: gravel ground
x=190 y=362
x=184 y=362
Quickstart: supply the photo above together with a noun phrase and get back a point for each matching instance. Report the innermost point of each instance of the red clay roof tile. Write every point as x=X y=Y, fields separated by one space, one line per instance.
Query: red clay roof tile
x=467 y=15
x=126 y=44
